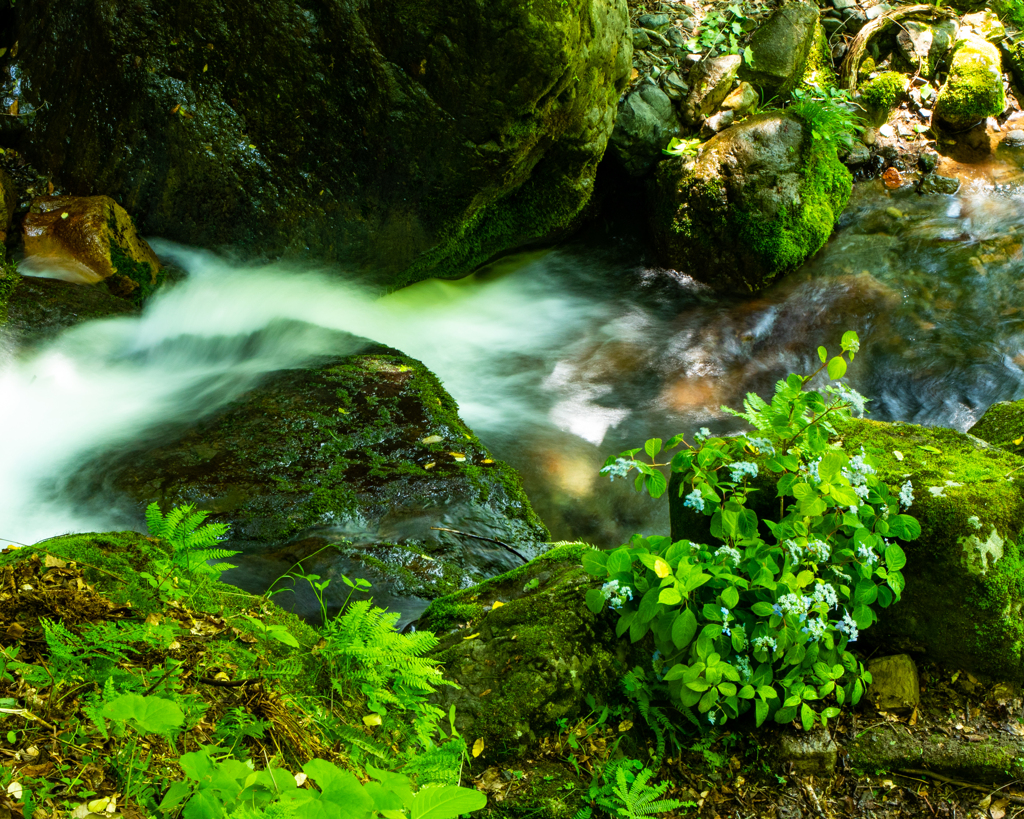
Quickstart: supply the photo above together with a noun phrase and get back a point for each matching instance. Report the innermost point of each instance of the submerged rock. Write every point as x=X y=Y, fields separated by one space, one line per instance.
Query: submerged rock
x=357 y=459
x=408 y=139
x=758 y=199
x=89 y=239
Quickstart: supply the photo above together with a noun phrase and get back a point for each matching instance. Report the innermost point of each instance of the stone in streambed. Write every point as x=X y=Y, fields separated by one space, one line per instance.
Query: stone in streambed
x=89 y=239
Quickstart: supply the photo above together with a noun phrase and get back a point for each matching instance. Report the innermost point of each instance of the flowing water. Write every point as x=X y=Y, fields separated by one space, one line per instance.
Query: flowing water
x=558 y=359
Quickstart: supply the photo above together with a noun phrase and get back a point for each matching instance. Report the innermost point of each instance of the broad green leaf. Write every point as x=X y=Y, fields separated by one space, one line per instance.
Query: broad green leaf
x=683 y=629
x=806 y=717
x=653 y=447
x=895 y=559
x=822 y=354
x=837 y=368
x=595 y=600
x=761 y=608
x=153 y=715
x=730 y=597
x=648 y=607
x=670 y=596
x=656 y=484
x=446 y=802
x=760 y=712
x=831 y=463
x=619 y=561
x=596 y=562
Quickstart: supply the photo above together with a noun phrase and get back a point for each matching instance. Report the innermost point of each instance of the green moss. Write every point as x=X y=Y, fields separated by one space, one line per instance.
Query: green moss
x=1002 y=425
x=974 y=88
x=1009 y=11
x=819 y=74
x=885 y=90
x=9 y=281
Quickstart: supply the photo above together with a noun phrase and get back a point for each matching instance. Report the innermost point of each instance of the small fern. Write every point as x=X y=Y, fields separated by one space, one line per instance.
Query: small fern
x=438 y=764
x=191 y=542
x=583 y=813
x=640 y=799
x=755 y=414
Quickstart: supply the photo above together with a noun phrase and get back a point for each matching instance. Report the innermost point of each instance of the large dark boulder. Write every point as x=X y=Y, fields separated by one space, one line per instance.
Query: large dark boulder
x=405 y=138
x=347 y=466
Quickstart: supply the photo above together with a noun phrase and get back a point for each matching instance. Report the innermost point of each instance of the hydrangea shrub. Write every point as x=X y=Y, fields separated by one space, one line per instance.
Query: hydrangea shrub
x=762 y=617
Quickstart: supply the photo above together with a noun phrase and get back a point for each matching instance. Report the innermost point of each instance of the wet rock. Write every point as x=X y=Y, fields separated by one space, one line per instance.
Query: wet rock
x=40 y=309
x=656 y=22
x=753 y=205
x=89 y=239
x=1013 y=139
x=646 y=121
x=858 y=154
x=533 y=659
x=895 y=685
x=974 y=87
x=810 y=753
x=780 y=47
x=362 y=455
x=710 y=83
x=303 y=129
x=928 y=161
x=933 y=183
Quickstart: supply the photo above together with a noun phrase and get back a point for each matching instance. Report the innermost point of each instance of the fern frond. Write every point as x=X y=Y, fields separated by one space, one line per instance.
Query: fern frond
x=641 y=799
x=755 y=412
x=353 y=736
x=583 y=813
x=438 y=764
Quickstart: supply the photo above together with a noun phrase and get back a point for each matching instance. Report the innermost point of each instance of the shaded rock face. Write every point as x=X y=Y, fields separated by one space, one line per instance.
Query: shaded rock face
x=40 y=309
x=357 y=459
x=753 y=204
x=405 y=138
x=963 y=605
x=89 y=239
x=646 y=121
x=534 y=658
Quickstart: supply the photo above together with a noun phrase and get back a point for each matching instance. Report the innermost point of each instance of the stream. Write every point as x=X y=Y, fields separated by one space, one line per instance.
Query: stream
x=558 y=358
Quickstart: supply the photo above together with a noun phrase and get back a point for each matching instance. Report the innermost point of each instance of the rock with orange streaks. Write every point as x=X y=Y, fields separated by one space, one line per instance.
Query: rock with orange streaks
x=89 y=239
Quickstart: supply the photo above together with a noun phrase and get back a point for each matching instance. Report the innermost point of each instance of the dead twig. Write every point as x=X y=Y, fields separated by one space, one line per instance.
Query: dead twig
x=1016 y=800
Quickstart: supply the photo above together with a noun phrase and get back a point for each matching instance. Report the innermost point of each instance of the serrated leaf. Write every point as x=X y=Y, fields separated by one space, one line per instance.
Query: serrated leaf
x=683 y=628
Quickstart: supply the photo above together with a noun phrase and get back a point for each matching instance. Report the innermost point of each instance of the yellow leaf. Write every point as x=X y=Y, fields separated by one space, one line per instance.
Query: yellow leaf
x=661 y=568
x=65 y=215
x=496 y=605
x=372 y=719
x=478 y=747
x=1019 y=440
x=897 y=454
x=431 y=439
x=431 y=465
x=471 y=636
x=205 y=67
x=98 y=805
x=458 y=456
x=487 y=461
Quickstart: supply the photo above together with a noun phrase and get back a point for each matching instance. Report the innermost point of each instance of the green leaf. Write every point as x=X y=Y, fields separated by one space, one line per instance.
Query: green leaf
x=619 y=561
x=446 y=802
x=730 y=597
x=760 y=712
x=340 y=788
x=837 y=368
x=656 y=484
x=748 y=58
x=844 y=495
x=823 y=354
x=895 y=559
x=683 y=628
x=153 y=715
x=625 y=621
x=595 y=600
x=595 y=562
x=670 y=596
x=648 y=608
x=653 y=447
x=762 y=609
x=831 y=463
x=806 y=717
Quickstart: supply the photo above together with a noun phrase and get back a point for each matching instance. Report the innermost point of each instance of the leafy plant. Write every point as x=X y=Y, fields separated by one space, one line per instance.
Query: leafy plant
x=685 y=148
x=830 y=114
x=763 y=618
x=720 y=32
x=624 y=790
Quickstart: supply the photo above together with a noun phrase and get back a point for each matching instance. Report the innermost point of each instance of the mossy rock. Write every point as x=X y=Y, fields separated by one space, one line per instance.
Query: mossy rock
x=755 y=203
x=38 y=310
x=1002 y=425
x=528 y=662
x=884 y=91
x=780 y=48
x=406 y=139
x=974 y=88
x=356 y=461
x=964 y=596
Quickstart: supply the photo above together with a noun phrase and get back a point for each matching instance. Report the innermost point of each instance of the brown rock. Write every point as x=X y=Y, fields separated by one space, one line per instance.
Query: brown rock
x=895 y=685
x=892 y=178
x=89 y=239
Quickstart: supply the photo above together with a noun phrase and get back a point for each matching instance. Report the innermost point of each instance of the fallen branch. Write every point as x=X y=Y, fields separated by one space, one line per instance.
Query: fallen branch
x=1016 y=800
x=851 y=64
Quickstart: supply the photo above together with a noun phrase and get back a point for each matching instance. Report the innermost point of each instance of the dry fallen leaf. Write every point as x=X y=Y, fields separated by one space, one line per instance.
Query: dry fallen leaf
x=431 y=439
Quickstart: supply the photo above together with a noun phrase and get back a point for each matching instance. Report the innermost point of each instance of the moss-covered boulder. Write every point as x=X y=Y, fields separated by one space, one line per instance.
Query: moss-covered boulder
x=405 y=138
x=974 y=88
x=1002 y=425
x=526 y=651
x=922 y=45
x=780 y=46
x=754 y=204
x=362 y=461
